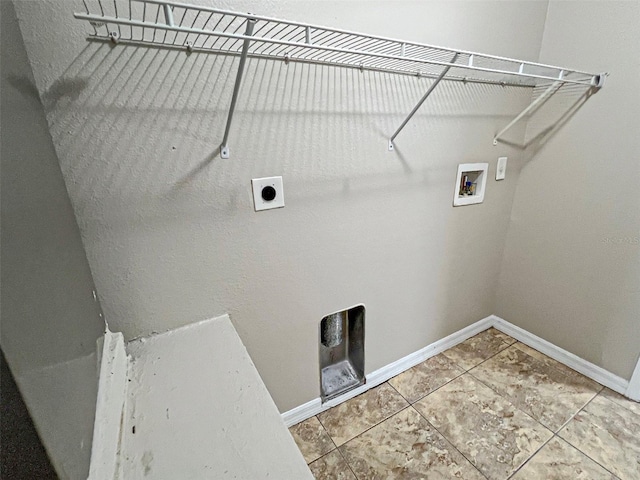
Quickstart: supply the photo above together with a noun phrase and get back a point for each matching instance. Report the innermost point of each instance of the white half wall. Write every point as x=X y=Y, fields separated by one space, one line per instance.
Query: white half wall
x=197 y=408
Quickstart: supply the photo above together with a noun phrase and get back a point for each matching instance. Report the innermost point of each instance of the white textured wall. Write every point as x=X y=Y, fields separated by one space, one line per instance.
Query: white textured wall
x=50 y=321
x=571 y=271
x=169 y=227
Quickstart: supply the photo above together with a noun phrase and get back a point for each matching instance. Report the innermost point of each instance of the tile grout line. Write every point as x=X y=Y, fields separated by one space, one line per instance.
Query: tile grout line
x=448 y=441
x=526 y=413
x=579 y=410
x=347 y=463
x=553 y=366
x=514 y=343
x=510 y=402
x=464 y=371
x=326 y=433
x=362 y=433
x=397 y=391
x=509 y=345
x=324 y=429
x=554 y=433
x=583 y=453
x=372 y=426
x=531 y=456
x=336 y=448
x=488 y=358
x=436 y=389
x=575 y=446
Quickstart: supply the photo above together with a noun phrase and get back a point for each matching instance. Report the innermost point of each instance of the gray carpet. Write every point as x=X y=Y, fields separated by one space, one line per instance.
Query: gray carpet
x=22 y=455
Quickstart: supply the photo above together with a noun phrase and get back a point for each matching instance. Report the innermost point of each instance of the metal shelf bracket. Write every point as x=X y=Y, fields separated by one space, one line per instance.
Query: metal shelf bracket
x=224 y=147
x=538 y=102
x=596 y=84
x=424 y=97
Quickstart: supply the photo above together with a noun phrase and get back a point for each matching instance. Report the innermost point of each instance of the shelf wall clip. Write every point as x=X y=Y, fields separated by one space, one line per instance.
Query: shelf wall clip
x=424 y=97
x=224 y=148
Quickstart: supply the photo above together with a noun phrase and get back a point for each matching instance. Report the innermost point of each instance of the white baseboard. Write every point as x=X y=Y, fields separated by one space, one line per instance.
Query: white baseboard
x=113 y=367
x=375 y=378
x=586 y=368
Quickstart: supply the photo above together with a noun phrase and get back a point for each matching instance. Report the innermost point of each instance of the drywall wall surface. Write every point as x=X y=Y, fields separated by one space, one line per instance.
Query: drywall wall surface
x=169 y=226
x=571 y=271
x=216 y=421
x=50 y=321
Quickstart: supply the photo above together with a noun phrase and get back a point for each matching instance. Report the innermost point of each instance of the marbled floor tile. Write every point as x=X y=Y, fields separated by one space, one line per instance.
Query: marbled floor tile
x=311 y=438
x=554 y=364
x=425 y=377
x=620 y=400
x=493 y=434
x=608 y=433
x=406 y=446
x=558 y=460
x=477 y=349
x=331 y=467
x=544 y=392
x=351 y=418
x=502 y=336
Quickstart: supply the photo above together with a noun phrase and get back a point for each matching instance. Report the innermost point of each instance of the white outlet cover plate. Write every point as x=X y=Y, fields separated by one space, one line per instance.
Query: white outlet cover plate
x=259 y=203
x=501 y=168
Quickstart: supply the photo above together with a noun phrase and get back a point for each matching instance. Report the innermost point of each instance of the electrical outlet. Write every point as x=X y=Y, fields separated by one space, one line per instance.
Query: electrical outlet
x=268 y=193
x=501 y=168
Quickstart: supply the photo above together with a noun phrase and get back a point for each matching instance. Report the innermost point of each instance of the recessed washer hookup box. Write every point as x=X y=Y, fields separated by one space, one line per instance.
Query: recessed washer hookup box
x=341 y=350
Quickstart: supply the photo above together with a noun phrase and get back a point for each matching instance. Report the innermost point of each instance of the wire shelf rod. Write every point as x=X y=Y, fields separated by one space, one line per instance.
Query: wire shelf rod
x=553 y=88
x=361 y=68
x=119 y=21
x=387 y=39
x=224 y=148
x=422 y=100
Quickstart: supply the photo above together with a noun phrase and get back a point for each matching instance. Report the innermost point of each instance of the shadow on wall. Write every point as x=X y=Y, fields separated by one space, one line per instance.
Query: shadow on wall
x=133 y=122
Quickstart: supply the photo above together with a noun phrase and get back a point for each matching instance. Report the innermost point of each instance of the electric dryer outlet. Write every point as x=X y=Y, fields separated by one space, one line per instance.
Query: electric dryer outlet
x=268 y=193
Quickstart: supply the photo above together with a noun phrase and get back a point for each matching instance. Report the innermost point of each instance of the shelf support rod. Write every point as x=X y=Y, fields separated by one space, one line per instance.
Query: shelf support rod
x=224 y=149
x=424 y=97
x=538 y=101
x=168 y=15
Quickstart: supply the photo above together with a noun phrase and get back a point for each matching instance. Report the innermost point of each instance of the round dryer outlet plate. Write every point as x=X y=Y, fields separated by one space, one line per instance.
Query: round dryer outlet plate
x=268 y=193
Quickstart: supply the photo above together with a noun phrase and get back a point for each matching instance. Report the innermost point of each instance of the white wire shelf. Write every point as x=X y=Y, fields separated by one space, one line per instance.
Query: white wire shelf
x=174 y=25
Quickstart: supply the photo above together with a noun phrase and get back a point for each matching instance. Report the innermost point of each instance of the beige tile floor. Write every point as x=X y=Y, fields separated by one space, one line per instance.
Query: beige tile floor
x=489 y=408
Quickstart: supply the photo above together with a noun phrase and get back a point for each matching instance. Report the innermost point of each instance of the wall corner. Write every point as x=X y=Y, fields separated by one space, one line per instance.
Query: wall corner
x=113 y=369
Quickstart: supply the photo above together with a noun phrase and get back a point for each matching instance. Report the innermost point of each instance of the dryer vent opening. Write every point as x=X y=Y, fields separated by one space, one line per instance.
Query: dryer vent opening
x=341 y=352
